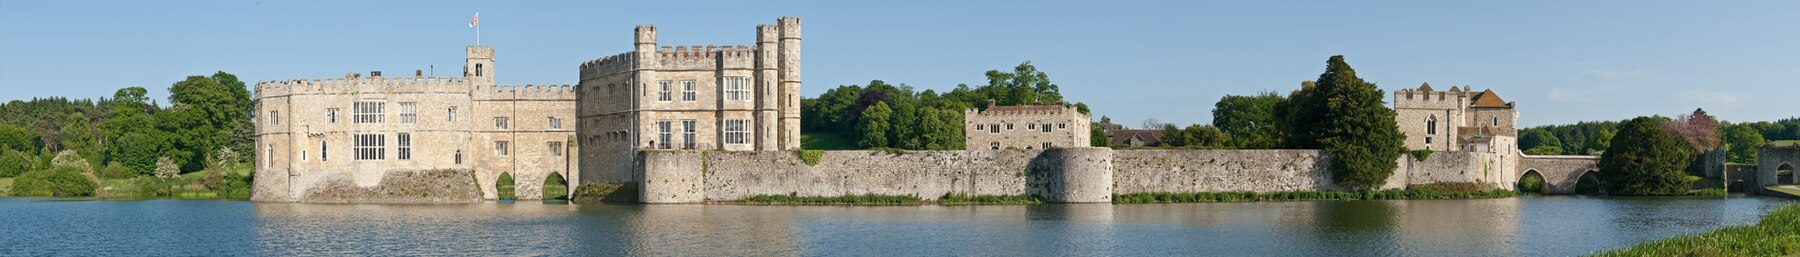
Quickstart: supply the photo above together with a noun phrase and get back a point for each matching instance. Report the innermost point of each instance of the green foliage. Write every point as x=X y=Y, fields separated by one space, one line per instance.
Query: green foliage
x=555 y=187
x=811 y=157
x=1645 y=160
x=60 y=181
x=1538 y=138
x=595 y=192
x=826 y=141
x=504 y=186
x=1390 y=194
x=921 y=120
x=1709 y=192
x=1742 y=142
x=1532 y=182
x=1544 y=150
x=13 y=163
x=1346 y=117
x=874 y=126
x=1777 y=235
x=1599 y=142
x=1421 y=154
x=1097 y=135
x=16 y=139
x=1579 y=138
x=966 y=199
x=1250 y=121
x=866 y=199
x=1194 y=136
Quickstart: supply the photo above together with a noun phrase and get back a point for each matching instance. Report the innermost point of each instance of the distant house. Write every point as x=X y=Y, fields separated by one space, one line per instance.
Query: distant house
x=1118 y=136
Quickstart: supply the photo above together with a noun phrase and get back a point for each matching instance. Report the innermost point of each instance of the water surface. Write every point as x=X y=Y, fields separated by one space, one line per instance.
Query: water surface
x=1528 y=226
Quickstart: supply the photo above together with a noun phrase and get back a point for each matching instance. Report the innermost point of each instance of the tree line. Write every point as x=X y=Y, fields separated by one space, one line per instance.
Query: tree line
x=206 y=126
x=882 y=115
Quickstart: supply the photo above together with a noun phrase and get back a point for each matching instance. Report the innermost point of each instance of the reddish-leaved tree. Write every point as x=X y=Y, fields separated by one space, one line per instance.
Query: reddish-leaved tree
x=1700 y=131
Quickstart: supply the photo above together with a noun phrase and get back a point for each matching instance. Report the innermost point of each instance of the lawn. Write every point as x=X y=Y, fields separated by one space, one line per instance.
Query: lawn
x=1783 y=189
x=1777 y=142
x=826 y=141
x=6 y=186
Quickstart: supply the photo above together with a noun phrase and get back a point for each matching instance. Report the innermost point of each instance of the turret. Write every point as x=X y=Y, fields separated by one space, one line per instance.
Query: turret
x=479 y=67
x=790 y=82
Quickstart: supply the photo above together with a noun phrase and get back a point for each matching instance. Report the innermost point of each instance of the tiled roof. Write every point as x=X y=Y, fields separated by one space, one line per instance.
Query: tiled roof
x=1487 y=98
x=1426 y=87
x=1122 y=138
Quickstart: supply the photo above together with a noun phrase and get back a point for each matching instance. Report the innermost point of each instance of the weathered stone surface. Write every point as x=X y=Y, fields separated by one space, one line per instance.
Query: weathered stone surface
x=1560 y=172
x=1770 y=159
x=674 y=177
x=422 y=186
x=1156 y=171
x=1072 y=175
x=926 y=174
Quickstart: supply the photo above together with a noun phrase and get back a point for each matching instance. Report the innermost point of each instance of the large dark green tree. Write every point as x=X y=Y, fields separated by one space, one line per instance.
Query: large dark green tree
x=1742 y=140
x=874 y=126
x=1249 y=120
x=1534 y=138
x=1645 y=159
x=1347 y=117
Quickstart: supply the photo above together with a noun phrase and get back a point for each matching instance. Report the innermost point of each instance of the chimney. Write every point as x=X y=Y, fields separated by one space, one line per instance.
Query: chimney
x=373 y=74
x=418 y=73
x=990 y=103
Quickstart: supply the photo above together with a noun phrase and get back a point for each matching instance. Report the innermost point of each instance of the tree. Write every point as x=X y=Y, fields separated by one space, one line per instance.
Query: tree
x=1297 y=115
x=1353 y=124
x=1600 y=142
x=1249 y=120
x=1534 y=138
x=1645 y=160
x=1544 y=150
x=904 y=127
x=1743 y=142
x=874 y=126
x=13 y=163
x=1202 y=136
x=1097 y=136
x=1700 y=131
x=16 y=139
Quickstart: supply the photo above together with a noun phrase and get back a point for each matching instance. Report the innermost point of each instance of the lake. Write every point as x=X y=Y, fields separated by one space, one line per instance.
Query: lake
x=1526 y=225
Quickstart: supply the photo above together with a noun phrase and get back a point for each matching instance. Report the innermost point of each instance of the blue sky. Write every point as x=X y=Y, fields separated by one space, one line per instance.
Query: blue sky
x=1561 y=61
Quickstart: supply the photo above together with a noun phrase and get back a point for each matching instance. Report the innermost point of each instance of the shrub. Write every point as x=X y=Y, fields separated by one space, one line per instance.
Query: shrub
x=1421 y=154
x=12 y=163
x=166 y=168
x=56 y=181
x=1709 y=192
x=811 y=157
x=114 y=170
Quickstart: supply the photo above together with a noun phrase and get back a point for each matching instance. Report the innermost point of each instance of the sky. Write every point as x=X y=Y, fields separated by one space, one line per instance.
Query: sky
x=1560 y=61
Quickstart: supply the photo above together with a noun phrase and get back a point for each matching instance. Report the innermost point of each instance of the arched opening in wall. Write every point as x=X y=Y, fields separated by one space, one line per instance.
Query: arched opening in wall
x=1785 y=174
x=1589 y=183
x=556 y=188
x=504 y=186
x=1531 y=182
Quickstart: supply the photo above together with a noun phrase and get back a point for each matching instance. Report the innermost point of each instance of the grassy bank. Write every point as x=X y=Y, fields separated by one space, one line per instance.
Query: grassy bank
x=1777 y=235
x=1392 y=194
x=867 y=199
x=966 y=199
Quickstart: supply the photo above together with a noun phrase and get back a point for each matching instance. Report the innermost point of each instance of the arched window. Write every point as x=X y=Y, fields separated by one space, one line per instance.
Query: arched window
x=478 y=70
x=459 y=157
x=1496 y=121
x=1431 y=125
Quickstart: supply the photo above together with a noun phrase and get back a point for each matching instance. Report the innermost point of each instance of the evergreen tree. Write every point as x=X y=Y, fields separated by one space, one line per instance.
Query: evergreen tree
x=874 y=126
x=1645 y=160
x=1354 y=125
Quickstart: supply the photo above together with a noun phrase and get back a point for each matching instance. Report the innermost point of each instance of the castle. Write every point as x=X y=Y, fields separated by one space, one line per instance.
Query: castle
x=1025 y=127
x=1456 y=120
x=356 y=129
x=731 y=98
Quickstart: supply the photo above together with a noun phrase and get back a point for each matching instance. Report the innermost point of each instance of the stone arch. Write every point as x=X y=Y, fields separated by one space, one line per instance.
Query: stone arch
x=1531 y=181
x=555 y=187
x=1588 y=182
x=504 y=186
x=1784 y=174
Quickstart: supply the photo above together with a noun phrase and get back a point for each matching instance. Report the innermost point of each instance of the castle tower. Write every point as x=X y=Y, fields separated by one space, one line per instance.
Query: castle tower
x=479 y=67
x=768 y=87
x=790 y=82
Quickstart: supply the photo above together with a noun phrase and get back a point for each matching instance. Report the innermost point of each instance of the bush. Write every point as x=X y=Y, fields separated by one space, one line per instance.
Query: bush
x=56 y=181
x=1545 y=150
x=13 y=163
x=1644 y=159
x=595 y=192
x=1709 y=192
x=114 y=170
x=504 y=186
x=811 y=157
x=1421 y=154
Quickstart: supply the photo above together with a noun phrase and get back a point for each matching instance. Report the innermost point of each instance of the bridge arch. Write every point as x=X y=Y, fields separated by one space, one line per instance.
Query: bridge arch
x=504 y=187
x=1531 y=182
x=1588 y=182
x=1775 y=165
x=1563 y=174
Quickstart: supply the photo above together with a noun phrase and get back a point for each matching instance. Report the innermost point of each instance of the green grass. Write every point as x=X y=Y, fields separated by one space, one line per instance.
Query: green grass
x=1788 y=190
x=1777 y=235
x=826 y=141
x=966 y=199
x=867 y=199
x=1391 y=194
x=1786 y=142
x=6 y=186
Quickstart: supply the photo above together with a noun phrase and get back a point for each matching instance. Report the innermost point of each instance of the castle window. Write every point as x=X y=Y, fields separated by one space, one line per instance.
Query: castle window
x=371 y=147
x=274 y=117
x=404 y=143
x=994 y=128
x=980 y=127
x=331 y=115
x=995 y=145
x=687 y=134
x=663 y=134
x=450 y=114
x=556 y=148
x=370 y=112
x=1047 y=127
x=1430 y=127
x=458 y=157
x=500 y=147
x=555 y=123
x=1009 y=126
x=687 y=91
x=269 y=156
x=662 y=96
x=1032 y=126
x=1046 y=145
x=1062 y=125
x=323 y=154
x=735 y=88
x=1427 y=140
x=478 y=70
x=501 y=123
x=1496 y=121
x=736 y=131
x=409 y=112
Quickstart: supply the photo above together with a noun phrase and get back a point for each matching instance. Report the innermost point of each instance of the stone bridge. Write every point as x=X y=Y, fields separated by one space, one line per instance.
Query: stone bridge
x=1560 y=172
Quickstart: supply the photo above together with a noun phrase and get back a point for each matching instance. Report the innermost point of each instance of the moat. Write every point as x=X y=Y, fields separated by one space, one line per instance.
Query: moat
x=1520 y=226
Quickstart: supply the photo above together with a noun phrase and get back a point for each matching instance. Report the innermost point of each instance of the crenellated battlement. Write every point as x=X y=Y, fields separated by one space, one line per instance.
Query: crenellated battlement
x=359 y=84
x=524 y=92
x=608 y=65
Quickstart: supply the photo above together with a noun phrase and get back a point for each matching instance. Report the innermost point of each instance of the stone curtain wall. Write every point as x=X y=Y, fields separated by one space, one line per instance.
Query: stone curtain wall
x=926 y=174
x=1492 y=170
x=393 y=186
x=1158 y=171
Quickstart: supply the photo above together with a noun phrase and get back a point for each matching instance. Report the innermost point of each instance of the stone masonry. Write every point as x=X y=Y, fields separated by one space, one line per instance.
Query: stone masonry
x=316 y=135
x=1025 y=127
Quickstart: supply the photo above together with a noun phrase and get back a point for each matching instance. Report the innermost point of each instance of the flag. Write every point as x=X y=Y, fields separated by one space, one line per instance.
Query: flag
x=474 y=21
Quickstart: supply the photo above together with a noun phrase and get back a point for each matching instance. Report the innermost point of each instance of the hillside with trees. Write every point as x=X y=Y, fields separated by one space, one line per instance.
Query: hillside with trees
x=882 y=115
